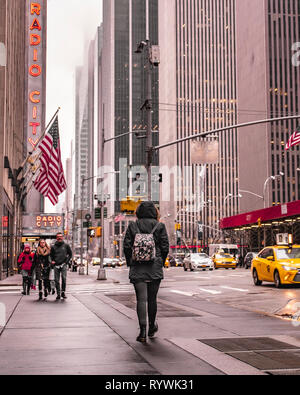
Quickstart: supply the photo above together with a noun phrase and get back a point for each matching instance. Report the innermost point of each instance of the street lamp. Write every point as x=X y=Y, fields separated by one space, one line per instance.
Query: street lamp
x=230 y=195
x=252 y=193
x=273 y=178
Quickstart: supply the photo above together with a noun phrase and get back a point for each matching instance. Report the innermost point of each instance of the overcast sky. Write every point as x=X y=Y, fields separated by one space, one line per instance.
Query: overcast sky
x=71 y=25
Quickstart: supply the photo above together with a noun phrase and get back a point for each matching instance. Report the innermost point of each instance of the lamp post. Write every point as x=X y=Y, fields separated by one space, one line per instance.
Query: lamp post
x=273 y=178
x=230 y=195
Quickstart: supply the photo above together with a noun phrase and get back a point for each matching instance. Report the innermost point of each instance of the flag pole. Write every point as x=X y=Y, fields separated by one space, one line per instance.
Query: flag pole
x=40 y=138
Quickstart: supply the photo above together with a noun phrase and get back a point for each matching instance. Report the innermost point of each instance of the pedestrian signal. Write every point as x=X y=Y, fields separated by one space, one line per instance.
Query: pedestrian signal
x=91 y=232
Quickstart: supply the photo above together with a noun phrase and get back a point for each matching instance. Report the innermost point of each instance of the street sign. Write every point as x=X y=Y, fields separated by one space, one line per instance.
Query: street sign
x=97 y=212
x=87 y=224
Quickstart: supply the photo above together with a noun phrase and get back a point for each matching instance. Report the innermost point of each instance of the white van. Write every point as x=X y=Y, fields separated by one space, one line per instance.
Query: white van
x=231 y=249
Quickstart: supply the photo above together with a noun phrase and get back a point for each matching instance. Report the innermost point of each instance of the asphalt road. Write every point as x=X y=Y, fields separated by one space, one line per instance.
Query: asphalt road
x=210 y=323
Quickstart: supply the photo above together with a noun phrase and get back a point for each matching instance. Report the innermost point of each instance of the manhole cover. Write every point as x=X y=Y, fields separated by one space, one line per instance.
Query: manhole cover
x=247 y=344
x=163 y=310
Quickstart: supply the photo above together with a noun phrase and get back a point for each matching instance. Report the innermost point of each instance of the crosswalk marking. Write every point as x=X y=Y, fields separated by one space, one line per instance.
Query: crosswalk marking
x=210 y=291
x=181 y=292
x=235 y=289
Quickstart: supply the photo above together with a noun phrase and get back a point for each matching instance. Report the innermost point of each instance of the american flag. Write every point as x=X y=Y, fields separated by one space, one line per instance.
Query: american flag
x=51 y=180
x=294 y=139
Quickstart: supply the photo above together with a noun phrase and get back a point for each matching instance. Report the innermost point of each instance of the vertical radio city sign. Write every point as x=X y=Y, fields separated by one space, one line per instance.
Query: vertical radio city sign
x=36 y=70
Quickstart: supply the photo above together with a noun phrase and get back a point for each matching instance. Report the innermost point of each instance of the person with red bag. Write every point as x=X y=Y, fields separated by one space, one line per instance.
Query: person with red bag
x=25 y=262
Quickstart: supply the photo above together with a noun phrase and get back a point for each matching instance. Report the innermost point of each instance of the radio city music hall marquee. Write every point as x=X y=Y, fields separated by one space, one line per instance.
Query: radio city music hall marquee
x=39 y=224
x=35 y=72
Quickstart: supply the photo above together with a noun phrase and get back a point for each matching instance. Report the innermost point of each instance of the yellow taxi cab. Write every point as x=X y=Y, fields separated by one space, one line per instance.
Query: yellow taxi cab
x=279 y=264
x=167 y=262
x=223 y=260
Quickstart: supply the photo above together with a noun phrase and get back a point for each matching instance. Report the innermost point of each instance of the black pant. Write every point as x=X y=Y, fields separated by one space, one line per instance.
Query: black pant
x=146 y=294
x=47 y=287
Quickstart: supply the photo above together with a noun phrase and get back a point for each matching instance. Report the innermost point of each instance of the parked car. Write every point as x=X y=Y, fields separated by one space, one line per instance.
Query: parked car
x=248 y=259
x=96 y=261
x=121 y=262
x=109 y=262
x=175 y=261
x=197 y=261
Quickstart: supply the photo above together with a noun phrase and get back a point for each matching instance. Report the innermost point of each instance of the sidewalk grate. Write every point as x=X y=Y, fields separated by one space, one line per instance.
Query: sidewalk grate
x=263 y=353
x=247 y=344
x=163 y=310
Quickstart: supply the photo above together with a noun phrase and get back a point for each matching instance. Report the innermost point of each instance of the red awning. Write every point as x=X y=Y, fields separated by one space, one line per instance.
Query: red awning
x=268 y=214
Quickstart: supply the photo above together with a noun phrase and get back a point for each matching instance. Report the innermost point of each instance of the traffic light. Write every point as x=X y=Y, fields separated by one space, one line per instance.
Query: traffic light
x=177 y=226
x=129 y=205
x=99 y=231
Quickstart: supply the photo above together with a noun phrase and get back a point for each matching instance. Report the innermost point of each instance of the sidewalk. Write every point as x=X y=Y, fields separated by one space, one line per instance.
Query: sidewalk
x=67 y=337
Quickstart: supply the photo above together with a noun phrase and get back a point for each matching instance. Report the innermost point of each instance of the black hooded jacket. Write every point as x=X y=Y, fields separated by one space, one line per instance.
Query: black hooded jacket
x=147 y=220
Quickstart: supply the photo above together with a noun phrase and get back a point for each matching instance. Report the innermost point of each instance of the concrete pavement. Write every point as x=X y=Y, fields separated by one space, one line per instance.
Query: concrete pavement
x=94 y=331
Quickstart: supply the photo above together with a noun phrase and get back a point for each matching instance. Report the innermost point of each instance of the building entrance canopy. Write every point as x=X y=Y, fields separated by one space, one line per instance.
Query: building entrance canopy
x=284 y=212
x=259 y=228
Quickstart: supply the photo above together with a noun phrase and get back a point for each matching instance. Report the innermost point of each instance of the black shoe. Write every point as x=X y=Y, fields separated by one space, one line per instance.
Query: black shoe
x=46 y=293
x=152 y=330
x=58 y=297
x=53 y=291
x=63 y=295
x=142 y=335
x=24 y=293
x=40 y=295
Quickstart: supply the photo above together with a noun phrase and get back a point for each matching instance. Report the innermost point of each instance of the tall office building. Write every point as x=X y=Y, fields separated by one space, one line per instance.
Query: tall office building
x=123 y=92
x=84 y=135
x=12 y=113
x=197 y=94
x=268 y=86
x=222 y=63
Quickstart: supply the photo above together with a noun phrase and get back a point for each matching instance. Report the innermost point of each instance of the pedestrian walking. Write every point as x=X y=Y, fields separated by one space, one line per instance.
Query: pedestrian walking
x=25 y=261
x=41 y=266
x=146 y=247
x=61 y=254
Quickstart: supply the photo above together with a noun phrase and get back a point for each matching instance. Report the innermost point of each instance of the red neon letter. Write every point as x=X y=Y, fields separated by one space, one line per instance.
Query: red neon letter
x=35 y=8
x=36 y=67
x=34 y=127
x=35 y=39
x=35 y=25
x=32 y=94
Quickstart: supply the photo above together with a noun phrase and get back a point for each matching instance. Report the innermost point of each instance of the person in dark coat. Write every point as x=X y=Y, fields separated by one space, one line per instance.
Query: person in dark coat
x=61 y=254
x=41 y=265
x=146 y=276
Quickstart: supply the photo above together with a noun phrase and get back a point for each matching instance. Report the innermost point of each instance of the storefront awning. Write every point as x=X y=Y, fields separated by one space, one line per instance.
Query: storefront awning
x=286 y=210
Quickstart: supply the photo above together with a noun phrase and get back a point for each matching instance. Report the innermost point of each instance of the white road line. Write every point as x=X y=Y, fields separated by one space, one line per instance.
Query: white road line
x=181 y=292
x=210 y=291
x=235 y=289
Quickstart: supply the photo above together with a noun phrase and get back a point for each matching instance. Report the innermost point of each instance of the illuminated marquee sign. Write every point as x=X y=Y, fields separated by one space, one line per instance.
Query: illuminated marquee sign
x=42 y=224
x=48 y=221
x=36 y=58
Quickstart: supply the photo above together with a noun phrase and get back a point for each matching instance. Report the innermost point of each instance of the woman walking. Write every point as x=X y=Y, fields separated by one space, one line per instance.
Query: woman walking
x=41 y=265
x=25 y=263
x=145 y=255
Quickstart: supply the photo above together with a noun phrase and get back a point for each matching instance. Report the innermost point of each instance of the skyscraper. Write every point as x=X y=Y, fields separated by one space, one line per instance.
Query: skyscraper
x=198 y=94
x=123 y=92
x=268 y=86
